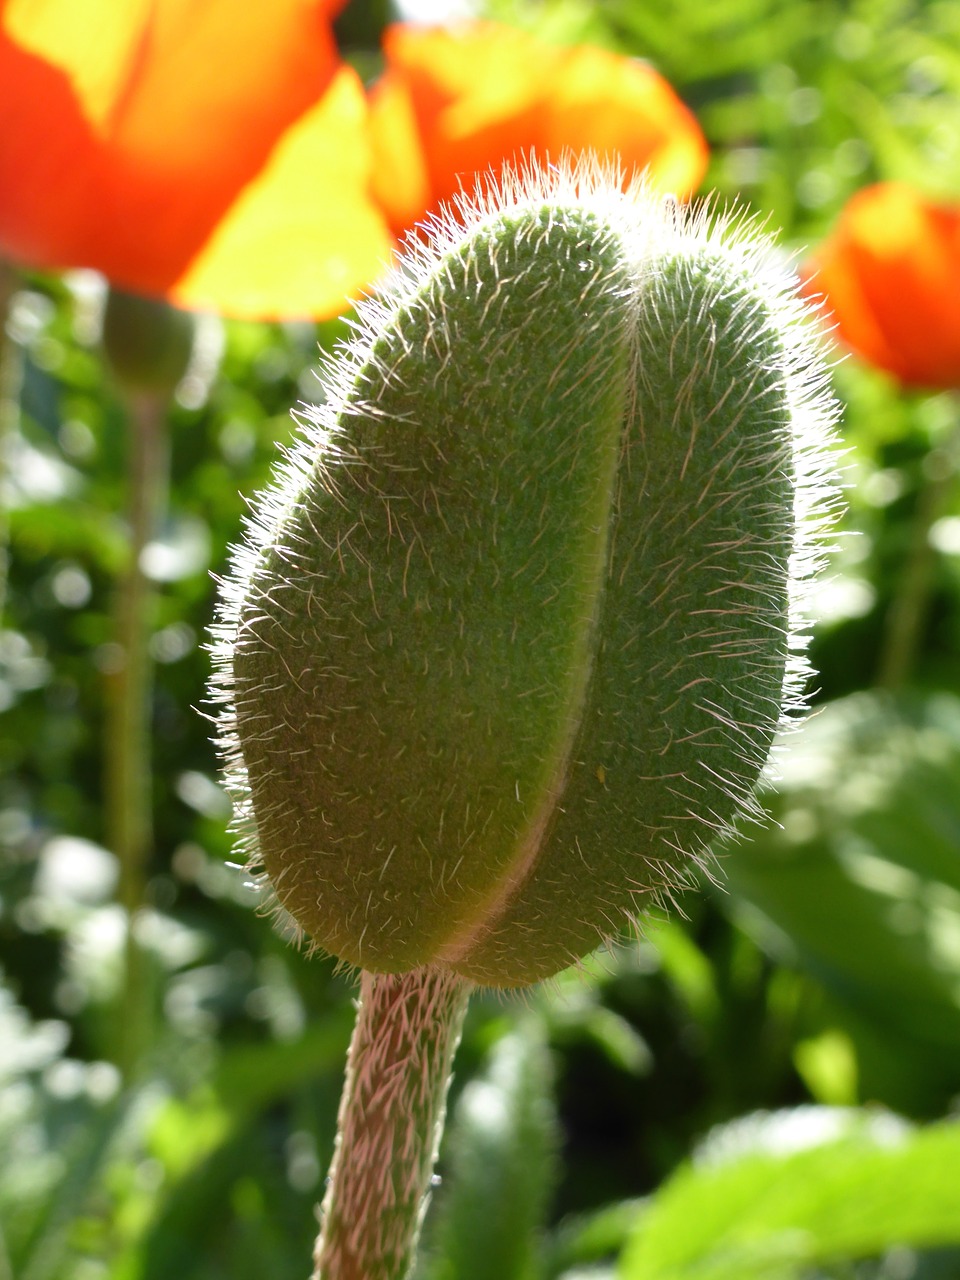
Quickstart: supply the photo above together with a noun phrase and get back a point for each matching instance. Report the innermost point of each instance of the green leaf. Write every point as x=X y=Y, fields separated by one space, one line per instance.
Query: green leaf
x=500 y=1168
x=252 y=1077
x=772 y=1195
x=582 y=1241
x=859 y=881
x=207 y=1144
x=48 y=1247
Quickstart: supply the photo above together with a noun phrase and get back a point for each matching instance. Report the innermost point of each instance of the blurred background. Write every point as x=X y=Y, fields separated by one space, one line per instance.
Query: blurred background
x=765 y=1086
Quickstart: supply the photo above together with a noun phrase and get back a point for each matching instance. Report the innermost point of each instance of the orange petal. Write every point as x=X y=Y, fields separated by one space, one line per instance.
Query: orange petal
x=482 y=93
x=890 y=274
x=148 y=120
x=399 y=183
x=303 y=236
x=626 y=111
x=213 y=87
x=91 y=44
x=48 y=161
x=473 y=92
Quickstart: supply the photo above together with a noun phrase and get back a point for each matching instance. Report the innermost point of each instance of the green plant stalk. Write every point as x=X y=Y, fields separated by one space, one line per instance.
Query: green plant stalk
x=128 y=761
x=147 y=346
x=390 y=1122
x=908 y=611
x=11 y=376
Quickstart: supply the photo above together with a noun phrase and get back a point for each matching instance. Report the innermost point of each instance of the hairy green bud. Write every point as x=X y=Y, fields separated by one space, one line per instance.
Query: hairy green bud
x=514 y=629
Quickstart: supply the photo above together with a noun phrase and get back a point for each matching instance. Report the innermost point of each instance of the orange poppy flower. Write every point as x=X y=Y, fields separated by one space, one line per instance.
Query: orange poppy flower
x=210 y=151
x=890 y=275
x=221 y=155
x=454 y=102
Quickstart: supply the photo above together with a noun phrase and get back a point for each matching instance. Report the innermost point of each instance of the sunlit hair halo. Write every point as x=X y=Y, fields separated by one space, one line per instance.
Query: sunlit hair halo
x=512 y=631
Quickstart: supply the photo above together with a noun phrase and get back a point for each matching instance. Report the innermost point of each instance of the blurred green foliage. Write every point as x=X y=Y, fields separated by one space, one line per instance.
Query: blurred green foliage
x=825 y=970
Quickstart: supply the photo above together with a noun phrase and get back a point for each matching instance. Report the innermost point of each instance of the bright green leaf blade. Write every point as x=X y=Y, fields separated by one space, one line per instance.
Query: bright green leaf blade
x=586 y=1240
x=252 y=1077
x=46 y=1251
x=861 y=881
x=764 y=1210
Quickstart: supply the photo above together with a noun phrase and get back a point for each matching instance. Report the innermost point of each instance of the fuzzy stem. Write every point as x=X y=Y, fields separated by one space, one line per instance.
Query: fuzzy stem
x=128 y=761
x=390 y=1122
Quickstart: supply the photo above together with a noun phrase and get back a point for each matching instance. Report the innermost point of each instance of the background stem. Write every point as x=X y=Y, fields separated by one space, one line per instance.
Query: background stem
x=11 y=375
x=909 y=609
x=390 y=1122
x=129 y=756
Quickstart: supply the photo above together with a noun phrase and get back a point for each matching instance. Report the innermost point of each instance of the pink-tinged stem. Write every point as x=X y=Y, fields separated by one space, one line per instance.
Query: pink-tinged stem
x=390 y=1122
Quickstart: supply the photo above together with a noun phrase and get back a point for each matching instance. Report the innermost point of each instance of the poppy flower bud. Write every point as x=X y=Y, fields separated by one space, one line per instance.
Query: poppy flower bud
x=148 y=344
x=515 y=627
